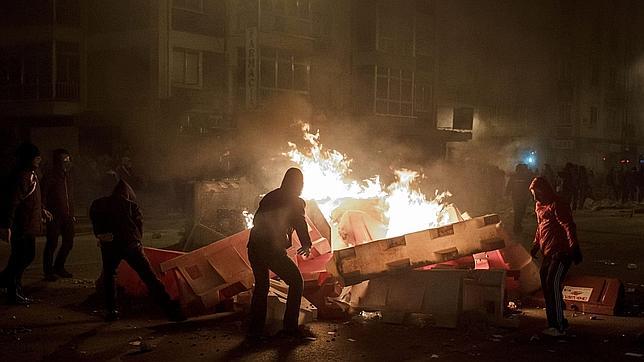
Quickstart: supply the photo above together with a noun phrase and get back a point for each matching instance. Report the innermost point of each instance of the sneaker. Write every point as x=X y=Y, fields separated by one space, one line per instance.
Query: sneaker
x=112 y=315
x=553 y=332
x=50 y=278
x=64 y=273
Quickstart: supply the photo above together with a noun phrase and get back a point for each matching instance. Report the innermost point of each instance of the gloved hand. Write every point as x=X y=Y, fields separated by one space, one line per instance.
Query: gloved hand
x=576 y=255
x=534 y=252
x=304 y=251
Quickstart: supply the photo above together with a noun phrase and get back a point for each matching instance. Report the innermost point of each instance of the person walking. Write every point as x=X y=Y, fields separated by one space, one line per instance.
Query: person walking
x=58 y=198
x=21 y=220
x=118 y=224
x=517 y=189
x=280 y=213
x=556 y=239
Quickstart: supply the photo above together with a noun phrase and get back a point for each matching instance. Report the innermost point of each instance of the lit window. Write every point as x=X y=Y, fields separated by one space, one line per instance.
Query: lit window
x=282 y=71
x=186 y=68
x=394 y=89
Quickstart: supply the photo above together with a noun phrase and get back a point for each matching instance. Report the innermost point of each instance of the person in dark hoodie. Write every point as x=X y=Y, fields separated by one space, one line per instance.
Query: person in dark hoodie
x=517 y=189
x=118 y=225
x=21 y=218
x=280 y=212
x=556 y=238
x=58 y=198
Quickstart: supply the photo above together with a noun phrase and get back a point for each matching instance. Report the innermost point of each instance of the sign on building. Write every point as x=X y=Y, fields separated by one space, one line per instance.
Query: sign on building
x=252 y=71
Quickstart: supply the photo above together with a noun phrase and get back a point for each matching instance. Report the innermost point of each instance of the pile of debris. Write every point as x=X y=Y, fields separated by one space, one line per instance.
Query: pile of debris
x=466 y=266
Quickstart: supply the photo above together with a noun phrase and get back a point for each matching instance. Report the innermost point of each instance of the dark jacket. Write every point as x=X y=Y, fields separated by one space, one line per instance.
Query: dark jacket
x=279 y=213
x=22 y=204
x=556 y=230
x=517 y=186
x=58 y=191
x=118 y=214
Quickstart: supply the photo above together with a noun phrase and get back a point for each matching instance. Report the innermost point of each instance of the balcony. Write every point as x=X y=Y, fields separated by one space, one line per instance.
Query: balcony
x=40 y=91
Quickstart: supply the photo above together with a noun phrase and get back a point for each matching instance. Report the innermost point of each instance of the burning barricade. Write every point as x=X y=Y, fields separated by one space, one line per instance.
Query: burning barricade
x=374 y=247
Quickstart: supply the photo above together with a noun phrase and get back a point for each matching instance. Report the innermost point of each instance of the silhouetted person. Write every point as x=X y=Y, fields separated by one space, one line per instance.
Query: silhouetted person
x=21 y=220
x=280 y=212
x=569 y=186
x=118 y=224
x=549 y=174
x=630 y=185
x=58 y=198
x=584 y=187
x=612 y=183
x=556 y=238
x=517 y=188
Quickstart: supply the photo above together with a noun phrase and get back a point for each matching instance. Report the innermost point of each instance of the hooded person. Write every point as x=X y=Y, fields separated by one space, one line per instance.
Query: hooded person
x=118 y=224
x=58 y=198
x=556 y=239
x=517 y=189
x=21 y=217
x=280 y=212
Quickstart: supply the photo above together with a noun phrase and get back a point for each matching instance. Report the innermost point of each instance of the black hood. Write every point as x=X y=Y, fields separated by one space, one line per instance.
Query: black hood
x=57 y=157
x=124 y=191
x=25 y=155
x=293 y=181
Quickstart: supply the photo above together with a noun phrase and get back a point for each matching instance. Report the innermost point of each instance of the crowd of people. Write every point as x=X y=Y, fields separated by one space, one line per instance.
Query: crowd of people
x=28 y=204
x=117 y=223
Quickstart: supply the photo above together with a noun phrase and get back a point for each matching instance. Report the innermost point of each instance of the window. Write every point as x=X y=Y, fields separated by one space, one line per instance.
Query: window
x=67 y=70
x=394 y=92
x=395 y=32
x=192 y=5
x=565 y=114
x=594 y=115
x=294 y=8
x=422 y=97
x=281 y=70
x=594 y=73
x=186 y=68
x=68 y=12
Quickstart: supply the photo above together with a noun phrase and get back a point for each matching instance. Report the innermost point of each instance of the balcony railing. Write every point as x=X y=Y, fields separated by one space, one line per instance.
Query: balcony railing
x=40 y=91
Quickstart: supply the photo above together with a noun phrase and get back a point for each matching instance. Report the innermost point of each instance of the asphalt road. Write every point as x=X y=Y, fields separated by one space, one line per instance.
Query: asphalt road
x=67 y=323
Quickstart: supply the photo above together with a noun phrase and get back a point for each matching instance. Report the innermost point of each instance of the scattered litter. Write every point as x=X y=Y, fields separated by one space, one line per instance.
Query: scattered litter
x=512 y=305
x=497 y=336
x=311 y=339
x=331 y=333
x=370 y=315
x=606 y=262
x=593 y=318
x=13 y=317
x=135 y=343
x=631 y=266
x=434 y=356
x=630 y=290
x=631 y=354
x=351 y=340
x=534 y=338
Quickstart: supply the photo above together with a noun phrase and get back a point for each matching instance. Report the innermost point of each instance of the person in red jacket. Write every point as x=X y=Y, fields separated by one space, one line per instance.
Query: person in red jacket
x=556 y=238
